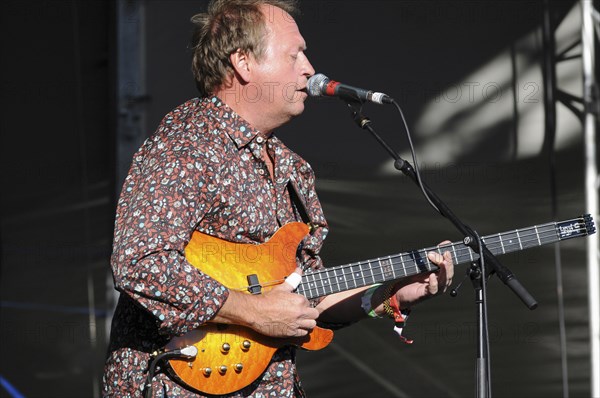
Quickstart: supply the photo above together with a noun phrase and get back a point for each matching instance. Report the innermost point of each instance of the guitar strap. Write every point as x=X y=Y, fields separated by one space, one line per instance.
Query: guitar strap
x=299 y=204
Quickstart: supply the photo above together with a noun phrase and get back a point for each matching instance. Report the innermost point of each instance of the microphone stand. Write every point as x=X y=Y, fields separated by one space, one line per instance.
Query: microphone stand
x=479 y=271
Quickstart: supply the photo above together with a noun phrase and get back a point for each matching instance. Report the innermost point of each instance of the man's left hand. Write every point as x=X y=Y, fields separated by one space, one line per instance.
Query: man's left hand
x=428 y=285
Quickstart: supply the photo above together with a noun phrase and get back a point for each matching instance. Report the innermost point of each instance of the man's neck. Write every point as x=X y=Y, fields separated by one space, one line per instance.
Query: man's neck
x=250 y=112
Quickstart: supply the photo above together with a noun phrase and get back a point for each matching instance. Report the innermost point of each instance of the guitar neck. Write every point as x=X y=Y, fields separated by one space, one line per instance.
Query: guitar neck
x=403 y=265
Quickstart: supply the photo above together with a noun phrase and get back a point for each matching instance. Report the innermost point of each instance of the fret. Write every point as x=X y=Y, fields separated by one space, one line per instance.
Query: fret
x=530 y=241
x=314 y=284
x=372 y=276
x=427 y=261
x=338 y=278
x=327 y=282
x=319 y=283
x=461 y=253
x=493 y=243
x=368 y=280
x=538 y=235
x=406 y=264
x=362 y=275
x=387 y=271
x=502 y=245
x=403 y=266
x=418 y=259
x=455 y=256
x=341 y=278
x=510 y=240
x=416 y=265
x=397 y=270
x=333 y=280
x=341 y=282
x=424 y=261
x=519 y=239
x=393 y=268
x=379 y=266
x=354 y=269
x=311 y=285
x=345 y=278
x=304 y=285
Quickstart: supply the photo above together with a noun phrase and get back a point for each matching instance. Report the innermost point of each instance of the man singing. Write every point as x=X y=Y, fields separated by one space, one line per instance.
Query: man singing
x=214 y=165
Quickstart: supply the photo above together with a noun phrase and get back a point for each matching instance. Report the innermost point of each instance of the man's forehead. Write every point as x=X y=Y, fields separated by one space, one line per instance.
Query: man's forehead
x=278 y=20
x=273 y=14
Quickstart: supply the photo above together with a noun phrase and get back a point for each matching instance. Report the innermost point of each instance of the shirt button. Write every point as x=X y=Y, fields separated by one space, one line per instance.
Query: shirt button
x=261 y=172
x=259 y=139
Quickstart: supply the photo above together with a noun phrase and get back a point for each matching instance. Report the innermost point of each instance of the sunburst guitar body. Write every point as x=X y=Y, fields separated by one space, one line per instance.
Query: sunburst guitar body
x=230 y=357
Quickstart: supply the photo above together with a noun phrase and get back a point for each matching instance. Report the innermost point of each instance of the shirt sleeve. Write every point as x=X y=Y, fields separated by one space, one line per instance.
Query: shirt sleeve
x=164 y=197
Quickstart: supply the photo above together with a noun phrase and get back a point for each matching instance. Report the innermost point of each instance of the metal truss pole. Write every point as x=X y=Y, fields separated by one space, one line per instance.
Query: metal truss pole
x=591 y=186
x=131 y=98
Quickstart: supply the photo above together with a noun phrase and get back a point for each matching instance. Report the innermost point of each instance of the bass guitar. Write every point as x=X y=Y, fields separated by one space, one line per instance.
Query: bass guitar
x=230 y=357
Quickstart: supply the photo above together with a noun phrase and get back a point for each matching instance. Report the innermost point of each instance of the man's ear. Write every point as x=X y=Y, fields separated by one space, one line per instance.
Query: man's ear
x=241 y=65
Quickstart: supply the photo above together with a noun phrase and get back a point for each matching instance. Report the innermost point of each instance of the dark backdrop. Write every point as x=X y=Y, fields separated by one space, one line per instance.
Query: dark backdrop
x=58 y=186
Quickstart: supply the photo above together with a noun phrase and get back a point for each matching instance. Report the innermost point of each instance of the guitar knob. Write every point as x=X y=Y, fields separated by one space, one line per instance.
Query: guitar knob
x=207 y=371
x=238 y=367
x=246 y=345
x=222 y=369
x=225 y=347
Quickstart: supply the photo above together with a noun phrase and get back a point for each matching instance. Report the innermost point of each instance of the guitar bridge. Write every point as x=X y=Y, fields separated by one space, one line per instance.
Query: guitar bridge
x=253 y=286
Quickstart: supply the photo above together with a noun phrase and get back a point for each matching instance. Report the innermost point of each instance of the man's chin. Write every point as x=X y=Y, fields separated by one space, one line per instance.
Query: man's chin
x=298 y=108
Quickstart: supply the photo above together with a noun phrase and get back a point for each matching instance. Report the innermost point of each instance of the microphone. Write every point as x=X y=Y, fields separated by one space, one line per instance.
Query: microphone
x=320 y=85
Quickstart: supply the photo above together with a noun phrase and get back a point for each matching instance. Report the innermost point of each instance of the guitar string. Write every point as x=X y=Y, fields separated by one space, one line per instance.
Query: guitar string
x=494 y=242
x=524 y=241
x=460 y=251
x=458 y=248
x=318 y=276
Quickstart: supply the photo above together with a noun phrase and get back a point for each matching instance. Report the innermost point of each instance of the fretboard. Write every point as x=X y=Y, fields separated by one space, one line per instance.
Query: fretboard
x=397 y=266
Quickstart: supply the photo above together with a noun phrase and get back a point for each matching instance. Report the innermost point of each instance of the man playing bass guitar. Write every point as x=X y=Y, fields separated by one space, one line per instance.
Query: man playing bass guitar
x=214 y=166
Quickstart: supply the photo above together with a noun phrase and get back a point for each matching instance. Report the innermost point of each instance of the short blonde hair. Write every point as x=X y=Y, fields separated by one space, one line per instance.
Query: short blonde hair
x=226 y=27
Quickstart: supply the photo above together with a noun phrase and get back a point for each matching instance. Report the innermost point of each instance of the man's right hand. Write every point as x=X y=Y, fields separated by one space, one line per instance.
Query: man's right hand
x=278 y=312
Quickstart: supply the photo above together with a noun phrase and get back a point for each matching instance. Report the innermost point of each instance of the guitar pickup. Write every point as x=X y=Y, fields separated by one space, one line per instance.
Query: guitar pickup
x=253 y=286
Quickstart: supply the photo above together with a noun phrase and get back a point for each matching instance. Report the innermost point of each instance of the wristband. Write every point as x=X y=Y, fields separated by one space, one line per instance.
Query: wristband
x=366 y=301
x=400 y=318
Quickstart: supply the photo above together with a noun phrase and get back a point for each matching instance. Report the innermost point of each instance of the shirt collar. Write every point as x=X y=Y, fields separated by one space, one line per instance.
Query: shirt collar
x=238 y=129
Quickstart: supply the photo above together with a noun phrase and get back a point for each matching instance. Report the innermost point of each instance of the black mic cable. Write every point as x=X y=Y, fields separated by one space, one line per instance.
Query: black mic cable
x=414 y=157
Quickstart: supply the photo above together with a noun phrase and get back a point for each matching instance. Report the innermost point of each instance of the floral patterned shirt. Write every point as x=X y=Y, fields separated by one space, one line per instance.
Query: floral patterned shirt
x=202 y=170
